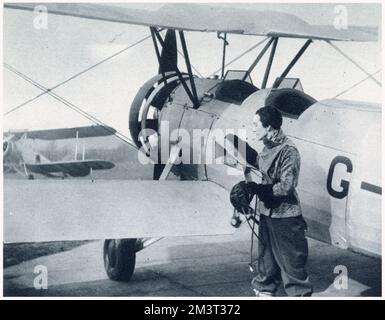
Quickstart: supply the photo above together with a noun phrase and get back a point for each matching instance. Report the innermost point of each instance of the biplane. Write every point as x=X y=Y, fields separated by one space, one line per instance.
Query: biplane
x=339 y=142
x=21 y=158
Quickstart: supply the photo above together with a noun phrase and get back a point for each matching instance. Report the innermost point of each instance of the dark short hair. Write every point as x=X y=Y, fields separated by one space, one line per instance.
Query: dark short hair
x=270 y=116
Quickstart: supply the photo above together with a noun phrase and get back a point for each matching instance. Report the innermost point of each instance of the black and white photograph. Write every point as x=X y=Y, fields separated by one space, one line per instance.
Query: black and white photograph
x=192 y=150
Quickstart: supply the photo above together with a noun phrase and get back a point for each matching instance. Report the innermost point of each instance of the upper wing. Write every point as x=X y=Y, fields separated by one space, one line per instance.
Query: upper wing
x=52 y=210
x=211 y=19
x=78 y=168
x=66 y=133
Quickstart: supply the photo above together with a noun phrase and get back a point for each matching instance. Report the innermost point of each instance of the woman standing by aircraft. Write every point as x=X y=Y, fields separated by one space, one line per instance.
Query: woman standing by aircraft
x=282 y=245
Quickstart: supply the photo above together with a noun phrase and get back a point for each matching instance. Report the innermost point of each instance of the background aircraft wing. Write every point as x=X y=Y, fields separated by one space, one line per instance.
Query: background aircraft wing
x=76 y=168
x=211 y=19
x=65 y=133
x=51 y=210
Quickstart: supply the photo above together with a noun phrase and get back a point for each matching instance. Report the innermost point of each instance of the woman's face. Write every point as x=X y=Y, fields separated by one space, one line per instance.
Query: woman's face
x=258 y=129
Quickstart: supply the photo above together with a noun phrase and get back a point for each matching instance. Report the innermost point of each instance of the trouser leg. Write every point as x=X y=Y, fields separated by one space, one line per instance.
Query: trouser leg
x=267 y=270
x=290 y=249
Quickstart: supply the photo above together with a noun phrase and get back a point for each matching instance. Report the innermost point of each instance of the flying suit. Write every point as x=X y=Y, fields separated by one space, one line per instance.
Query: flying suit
x=283 y=248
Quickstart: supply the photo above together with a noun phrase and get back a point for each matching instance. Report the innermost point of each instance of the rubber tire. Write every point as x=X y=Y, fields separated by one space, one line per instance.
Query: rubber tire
x=119 y=257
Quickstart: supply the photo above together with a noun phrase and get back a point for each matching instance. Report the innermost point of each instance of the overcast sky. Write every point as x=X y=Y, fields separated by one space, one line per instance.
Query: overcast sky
x=70 y=45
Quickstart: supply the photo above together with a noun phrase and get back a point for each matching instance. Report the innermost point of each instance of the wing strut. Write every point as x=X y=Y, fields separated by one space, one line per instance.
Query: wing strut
x=76 y=145
x=188 y=65
x=270 y=62
x=292 y=63
x=258 y=58
x=157 y=53
x=193 y=99
x=225 y=44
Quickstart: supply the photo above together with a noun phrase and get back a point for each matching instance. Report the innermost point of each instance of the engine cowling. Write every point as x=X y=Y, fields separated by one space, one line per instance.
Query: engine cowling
x=148 y=102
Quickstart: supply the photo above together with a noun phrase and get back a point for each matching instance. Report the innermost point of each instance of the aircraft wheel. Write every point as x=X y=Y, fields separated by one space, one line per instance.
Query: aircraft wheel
x=119 y=258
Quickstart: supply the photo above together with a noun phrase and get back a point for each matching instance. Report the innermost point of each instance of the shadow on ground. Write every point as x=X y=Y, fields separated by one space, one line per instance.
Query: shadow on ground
x=16 y=253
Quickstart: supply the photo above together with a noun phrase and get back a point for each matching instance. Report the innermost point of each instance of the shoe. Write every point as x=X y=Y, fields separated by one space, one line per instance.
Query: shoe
x=263 y=294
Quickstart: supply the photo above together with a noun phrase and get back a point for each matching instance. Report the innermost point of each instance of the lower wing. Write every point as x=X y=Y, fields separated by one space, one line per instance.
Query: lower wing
x=78 y=168
x=53 y=210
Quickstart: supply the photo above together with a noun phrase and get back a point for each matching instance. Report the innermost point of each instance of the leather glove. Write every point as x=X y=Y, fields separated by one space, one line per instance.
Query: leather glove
x=265 y=194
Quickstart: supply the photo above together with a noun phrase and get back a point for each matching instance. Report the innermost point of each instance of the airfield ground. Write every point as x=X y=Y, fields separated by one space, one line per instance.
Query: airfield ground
x=211 y=266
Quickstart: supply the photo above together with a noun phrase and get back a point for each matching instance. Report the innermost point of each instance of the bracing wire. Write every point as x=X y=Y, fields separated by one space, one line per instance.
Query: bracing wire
x=354 y=62
x=195 y=69
x=85 y=71
x=240 y=56
x=356 y=84
x=76 y=75
x=69 y=104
